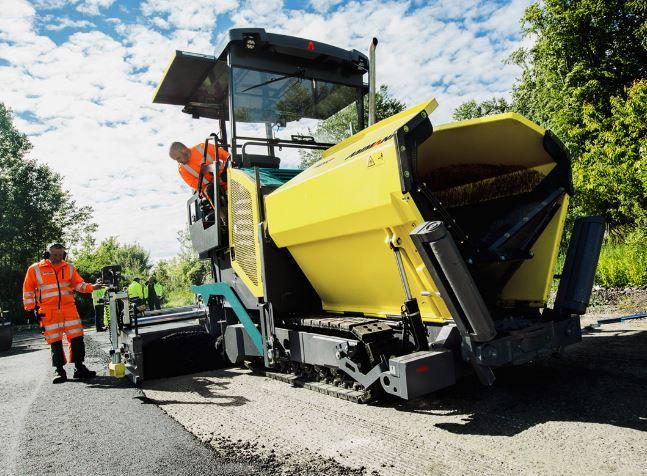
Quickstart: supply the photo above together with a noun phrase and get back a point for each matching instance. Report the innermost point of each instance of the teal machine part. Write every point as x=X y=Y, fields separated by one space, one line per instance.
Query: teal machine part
x=223 y=289
x=273 y=177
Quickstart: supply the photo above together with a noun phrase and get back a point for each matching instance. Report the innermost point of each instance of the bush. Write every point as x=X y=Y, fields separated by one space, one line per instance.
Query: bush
x=623 y=260
x=179 y=273
x=179 y=298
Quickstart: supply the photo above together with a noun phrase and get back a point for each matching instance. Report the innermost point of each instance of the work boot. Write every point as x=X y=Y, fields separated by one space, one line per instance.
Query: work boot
x=59 y=375
x=83 y=373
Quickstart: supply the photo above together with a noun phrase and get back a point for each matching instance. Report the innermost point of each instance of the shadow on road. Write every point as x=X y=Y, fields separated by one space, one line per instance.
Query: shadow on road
x=203 y=385
x=104 y=381
x=601 y=380
x=19 y=349
x=200 y=384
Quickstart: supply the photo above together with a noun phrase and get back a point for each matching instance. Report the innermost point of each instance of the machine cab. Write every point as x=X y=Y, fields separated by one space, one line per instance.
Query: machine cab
x=266 y=92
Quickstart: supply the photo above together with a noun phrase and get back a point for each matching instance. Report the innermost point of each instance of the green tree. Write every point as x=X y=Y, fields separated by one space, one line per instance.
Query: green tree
x=35 y=210
x=179 y=273
x=585 y=53
x=612 y=171
x=345 y=123
x=472 y=109
x=575 y=80
x=89 y=259
x=132 y=257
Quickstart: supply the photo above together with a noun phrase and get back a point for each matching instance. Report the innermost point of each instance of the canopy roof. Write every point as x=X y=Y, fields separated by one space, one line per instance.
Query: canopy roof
x=200 y=82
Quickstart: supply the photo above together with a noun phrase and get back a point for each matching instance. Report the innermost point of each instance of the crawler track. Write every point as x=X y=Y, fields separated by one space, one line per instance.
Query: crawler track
x=354 y=395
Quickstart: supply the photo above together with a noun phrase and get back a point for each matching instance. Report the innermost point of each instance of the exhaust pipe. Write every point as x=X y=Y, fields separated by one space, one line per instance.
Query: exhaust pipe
x=371 y=82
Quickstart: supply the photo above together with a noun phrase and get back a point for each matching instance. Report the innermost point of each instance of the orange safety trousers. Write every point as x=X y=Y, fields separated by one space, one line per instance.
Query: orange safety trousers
x=56 y=322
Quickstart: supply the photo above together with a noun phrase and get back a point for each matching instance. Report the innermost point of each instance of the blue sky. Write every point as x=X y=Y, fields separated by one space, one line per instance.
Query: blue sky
x=80 y=75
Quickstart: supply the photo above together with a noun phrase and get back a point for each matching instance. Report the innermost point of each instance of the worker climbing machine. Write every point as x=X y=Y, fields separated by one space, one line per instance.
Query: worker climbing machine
x=404 y=257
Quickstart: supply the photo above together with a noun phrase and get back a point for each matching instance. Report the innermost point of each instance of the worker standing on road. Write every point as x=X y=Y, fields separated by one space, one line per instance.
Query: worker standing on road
x=155 y=293
x=189 y=161
x=48 y=292
x=137 y=292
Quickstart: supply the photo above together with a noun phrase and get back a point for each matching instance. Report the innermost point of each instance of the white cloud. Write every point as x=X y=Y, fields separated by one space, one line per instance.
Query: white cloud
x=66 y=22
x=16 y=22
x=161 y=23
x=194 y=15
x=97 y=127
x=324 y=5
x=53 y=4
x=91 y=95
x=93 y=7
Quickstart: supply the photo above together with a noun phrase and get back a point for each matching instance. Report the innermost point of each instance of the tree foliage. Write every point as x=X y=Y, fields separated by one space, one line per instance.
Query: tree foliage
x=35 y=210
x=612 y=170
x=179 y=273
x=132 y=257
x=472 y=109
x=89 y=258
x=575 y=80
x=583 y=78
x=345 y=123
x=585 y=53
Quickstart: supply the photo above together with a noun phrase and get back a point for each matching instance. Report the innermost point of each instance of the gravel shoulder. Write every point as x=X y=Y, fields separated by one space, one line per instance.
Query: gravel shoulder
x=582 y=413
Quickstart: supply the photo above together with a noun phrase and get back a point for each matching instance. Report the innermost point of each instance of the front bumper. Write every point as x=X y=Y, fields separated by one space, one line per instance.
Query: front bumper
x=521 y=346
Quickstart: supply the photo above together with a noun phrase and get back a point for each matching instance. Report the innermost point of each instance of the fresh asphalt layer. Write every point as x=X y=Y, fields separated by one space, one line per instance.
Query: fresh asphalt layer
x=105 y=426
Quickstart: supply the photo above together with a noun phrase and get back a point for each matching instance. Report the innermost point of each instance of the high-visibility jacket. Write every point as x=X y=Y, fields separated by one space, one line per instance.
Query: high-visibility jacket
x=98 y=294
x=52 y=286
x=137 y=290
x=190 y=171
x=159 y=290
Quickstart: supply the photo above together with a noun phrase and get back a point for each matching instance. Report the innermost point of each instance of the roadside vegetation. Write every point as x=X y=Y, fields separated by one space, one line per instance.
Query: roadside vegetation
x=35 y=210
x=623 y=260
x=176 y=274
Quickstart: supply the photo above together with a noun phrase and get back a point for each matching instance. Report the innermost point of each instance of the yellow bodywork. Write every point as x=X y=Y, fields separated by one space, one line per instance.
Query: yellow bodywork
x=339 y=217
x=117 y=370
x=244 y=219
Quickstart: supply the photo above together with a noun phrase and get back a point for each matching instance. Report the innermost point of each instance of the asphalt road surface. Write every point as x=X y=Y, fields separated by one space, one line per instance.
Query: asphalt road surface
x=102 y=427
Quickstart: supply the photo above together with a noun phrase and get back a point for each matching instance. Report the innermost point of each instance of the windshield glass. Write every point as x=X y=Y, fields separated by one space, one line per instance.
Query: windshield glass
x=277 y=98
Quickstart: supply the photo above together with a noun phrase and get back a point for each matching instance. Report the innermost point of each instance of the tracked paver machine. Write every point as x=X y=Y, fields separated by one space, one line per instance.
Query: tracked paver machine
x=408 y=255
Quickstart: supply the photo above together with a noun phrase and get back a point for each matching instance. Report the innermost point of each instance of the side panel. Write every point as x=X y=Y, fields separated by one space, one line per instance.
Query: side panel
x=337 y=219
x=243 y=230
x=532 y=281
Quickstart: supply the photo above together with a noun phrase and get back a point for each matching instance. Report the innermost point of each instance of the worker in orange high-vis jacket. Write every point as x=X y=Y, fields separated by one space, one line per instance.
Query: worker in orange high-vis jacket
x=48 y=292
x=190 y=160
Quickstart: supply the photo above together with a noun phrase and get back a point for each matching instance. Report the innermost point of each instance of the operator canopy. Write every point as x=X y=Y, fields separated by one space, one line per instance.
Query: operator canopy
x=274 y=79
